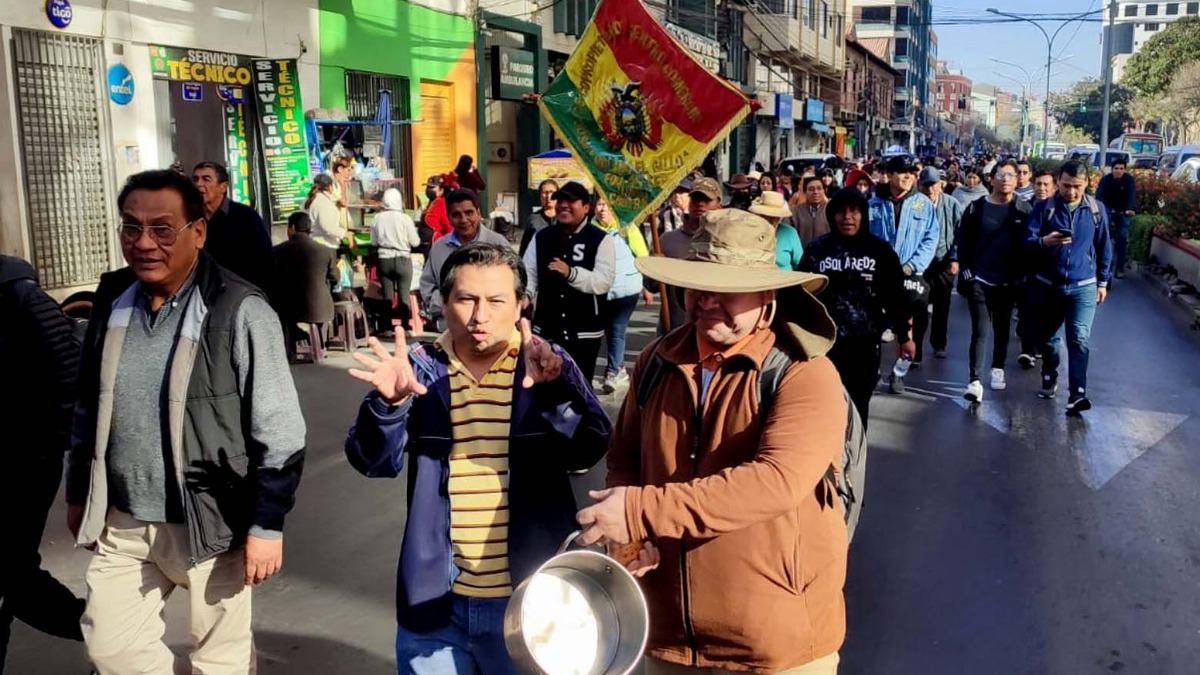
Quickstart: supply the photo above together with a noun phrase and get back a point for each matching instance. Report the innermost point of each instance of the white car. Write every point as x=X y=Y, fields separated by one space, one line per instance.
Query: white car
x=1188 y=172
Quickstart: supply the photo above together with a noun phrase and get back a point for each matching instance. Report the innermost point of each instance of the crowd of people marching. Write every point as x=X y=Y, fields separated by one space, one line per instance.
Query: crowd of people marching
x=726 y=488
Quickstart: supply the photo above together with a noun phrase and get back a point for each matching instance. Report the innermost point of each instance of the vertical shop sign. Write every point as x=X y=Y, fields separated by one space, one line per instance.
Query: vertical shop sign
x=236 y=161
x=281 y=124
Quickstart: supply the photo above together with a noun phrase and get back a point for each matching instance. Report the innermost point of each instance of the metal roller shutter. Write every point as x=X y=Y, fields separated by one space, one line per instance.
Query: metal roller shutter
x=436 y=130
x=63 y=121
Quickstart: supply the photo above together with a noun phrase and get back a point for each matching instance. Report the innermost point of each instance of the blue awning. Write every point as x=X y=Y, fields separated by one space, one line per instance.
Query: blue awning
x=821 y=128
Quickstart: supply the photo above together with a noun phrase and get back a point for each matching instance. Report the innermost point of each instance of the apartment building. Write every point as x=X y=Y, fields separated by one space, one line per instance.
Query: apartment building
x=1136 y=22
x=868 y=88
x=900 y=32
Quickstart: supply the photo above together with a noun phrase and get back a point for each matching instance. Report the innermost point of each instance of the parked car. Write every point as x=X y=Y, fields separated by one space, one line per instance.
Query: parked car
x=817 y=160
x=1093 y=158
x=1174 y=156
x=1144 y=163
x=1081 y=151
x=1188 y=172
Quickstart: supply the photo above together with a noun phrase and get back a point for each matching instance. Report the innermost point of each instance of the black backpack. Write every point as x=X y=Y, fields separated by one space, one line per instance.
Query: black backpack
x=848 y=481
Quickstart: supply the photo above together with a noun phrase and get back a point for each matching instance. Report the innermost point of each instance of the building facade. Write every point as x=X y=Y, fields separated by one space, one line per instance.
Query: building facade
x=868 y=89
x=797 y=58
x=954 y=103
x=901 y=32
x=1136 y=22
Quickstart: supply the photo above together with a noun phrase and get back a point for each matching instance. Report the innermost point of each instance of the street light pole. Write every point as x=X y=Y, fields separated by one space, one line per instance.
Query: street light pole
x=1112 y=8
x=1049 y=54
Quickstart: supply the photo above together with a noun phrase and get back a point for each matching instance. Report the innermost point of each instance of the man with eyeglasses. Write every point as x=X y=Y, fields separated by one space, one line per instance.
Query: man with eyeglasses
x=991 y=243
x=237 y=238
x=1024 y=189
x=188 y=442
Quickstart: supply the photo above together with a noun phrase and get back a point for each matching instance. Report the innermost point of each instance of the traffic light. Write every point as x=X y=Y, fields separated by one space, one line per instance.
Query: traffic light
x=1082 y=107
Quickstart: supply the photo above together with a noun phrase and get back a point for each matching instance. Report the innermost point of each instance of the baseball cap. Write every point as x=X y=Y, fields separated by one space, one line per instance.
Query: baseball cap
x=930 y=175
x=900 y=164
x=708 y=187
x=572 y=192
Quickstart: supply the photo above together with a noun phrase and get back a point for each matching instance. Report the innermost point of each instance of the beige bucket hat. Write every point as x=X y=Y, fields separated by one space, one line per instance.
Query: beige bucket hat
x=733 y=252
x=771 y=204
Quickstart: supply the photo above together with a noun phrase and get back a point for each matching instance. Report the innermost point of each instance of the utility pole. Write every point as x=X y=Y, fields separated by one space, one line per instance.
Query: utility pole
x=1112 y=12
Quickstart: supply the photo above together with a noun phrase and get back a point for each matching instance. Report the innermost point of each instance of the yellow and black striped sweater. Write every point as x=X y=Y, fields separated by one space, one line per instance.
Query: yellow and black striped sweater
x=480 y=415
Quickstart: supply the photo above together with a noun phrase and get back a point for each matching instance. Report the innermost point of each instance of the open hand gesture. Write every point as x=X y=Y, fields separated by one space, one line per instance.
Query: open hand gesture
x=391 y=374
x=541 y=363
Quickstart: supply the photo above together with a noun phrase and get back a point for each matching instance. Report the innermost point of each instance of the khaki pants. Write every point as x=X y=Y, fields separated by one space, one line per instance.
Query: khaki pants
x=137 y=567
x=826 y=665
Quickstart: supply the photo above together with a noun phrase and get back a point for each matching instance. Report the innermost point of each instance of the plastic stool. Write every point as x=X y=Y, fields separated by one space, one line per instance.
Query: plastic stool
x=346 y=315
x=309 y=333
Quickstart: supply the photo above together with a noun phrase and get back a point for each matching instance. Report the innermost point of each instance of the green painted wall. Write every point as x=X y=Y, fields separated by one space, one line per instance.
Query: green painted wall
x=392 y=37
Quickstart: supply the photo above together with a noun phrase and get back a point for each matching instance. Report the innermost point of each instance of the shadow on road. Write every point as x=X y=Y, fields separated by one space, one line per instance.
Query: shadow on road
x=284 y=653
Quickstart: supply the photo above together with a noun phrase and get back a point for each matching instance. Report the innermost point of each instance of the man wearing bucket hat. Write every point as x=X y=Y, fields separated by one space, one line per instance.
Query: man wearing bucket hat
x=773 y=209
x=733 y=501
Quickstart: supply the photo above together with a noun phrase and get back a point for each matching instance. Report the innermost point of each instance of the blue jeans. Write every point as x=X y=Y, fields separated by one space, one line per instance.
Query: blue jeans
x=1120 y=239
x=1073 y=308
x=471 y=644
x=619 y=312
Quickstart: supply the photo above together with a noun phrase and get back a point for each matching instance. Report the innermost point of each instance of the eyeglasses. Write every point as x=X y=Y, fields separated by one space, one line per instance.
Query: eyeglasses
x=1005 y=174
x=163 y=235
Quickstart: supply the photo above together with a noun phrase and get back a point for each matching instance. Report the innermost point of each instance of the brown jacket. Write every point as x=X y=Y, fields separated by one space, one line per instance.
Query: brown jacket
x=809 y=226
x=753 y=543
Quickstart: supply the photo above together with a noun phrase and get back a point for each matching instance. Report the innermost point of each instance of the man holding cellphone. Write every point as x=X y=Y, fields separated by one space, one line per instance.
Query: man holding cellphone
x=1071 y=255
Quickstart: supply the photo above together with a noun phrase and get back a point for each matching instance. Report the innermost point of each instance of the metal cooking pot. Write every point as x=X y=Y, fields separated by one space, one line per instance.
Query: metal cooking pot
x=580 y=613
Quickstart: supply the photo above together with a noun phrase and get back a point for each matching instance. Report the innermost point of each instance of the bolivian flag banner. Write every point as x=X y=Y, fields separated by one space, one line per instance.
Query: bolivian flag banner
x=637 y=109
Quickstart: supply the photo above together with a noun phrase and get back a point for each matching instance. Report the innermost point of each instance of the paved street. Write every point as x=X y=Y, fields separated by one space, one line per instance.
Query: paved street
x=1009 y=540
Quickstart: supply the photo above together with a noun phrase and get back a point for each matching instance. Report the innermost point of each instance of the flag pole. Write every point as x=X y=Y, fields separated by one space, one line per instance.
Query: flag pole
x=662 y=287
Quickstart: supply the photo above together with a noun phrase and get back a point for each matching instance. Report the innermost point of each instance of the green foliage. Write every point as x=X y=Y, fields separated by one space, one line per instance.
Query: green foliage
x=1175 y=205
x=1042 y=164
x=1089 y=92
x=1141 y=229
x=1152 y=68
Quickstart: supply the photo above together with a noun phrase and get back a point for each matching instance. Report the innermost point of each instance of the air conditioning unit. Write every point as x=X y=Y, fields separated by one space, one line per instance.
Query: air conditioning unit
x=500 y=152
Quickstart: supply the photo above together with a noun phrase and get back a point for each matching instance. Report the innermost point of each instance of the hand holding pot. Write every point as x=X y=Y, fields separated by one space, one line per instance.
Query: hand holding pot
x=604 y=520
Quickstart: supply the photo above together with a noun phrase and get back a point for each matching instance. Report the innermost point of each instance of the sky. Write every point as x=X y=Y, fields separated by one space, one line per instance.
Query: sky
x=971 y=47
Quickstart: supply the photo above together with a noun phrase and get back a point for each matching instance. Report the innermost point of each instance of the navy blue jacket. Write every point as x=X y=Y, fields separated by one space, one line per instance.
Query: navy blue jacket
x=556 y=427
x=1087 y=258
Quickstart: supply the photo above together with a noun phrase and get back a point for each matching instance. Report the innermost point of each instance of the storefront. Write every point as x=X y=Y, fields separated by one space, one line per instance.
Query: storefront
x=430 y=75
x=205 y=112
x=515 y=66
x=817 y=135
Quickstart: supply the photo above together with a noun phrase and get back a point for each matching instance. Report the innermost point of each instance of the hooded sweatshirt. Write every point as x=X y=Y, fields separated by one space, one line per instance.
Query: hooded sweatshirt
x=966 y=195
x=394 y=233
x=865 y=279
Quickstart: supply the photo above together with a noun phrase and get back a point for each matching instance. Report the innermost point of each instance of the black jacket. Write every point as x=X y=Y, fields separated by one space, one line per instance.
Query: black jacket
x=970 y=247
x=1118 y=195
x=39 y=359
x=307 y=271
x=865 y=279
x=241 y=243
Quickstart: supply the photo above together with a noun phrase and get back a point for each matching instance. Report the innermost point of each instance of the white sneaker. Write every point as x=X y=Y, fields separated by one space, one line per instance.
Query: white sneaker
x=889 y=336
x=974 y=392
x=998 y=383
x=615 y=380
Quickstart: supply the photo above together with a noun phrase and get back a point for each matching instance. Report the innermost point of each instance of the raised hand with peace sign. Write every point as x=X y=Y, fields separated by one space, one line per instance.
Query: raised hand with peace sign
x=541 y=363
x=391 y=374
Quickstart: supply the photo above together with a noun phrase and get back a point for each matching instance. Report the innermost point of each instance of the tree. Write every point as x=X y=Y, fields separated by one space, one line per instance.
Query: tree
x=1084 y=107
x=1177 y=107
x=1152 y=68
x=1072 y=136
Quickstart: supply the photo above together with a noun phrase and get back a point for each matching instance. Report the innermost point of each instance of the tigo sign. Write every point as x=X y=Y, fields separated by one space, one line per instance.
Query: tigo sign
x=120 y=84
x=59 y=12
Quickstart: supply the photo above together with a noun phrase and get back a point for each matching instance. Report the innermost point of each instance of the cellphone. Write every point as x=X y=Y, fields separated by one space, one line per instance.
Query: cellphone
x=1066 y=234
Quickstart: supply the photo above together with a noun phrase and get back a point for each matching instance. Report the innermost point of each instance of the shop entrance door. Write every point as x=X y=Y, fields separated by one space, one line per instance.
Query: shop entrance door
x=435 y=132
x=63 y=120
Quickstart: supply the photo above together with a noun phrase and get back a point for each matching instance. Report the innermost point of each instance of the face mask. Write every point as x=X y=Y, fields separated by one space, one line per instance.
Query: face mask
x=431 y=193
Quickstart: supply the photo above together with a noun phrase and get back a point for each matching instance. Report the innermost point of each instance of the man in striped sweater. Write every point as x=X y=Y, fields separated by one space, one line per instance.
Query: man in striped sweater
x=492 y=419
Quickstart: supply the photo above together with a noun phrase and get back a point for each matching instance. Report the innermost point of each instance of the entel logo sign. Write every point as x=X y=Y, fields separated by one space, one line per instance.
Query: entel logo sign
x=59 y=12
